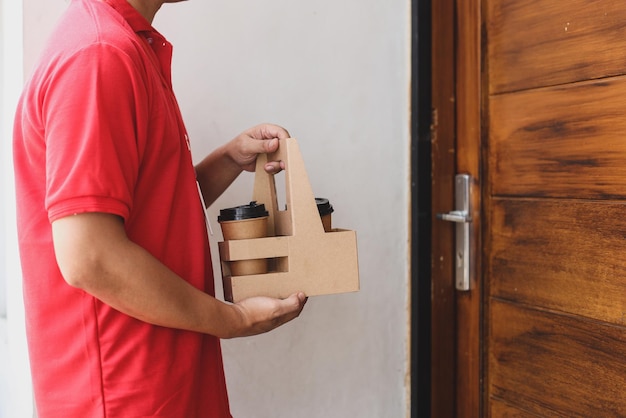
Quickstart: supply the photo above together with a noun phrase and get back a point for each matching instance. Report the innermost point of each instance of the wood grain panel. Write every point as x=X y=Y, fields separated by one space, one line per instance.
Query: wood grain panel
x=565 y=141
x=499 y=409
x=533 y=44
x=561 y=254
x=556 y=365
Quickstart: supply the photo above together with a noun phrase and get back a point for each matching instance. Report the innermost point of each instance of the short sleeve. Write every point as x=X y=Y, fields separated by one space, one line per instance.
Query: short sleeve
x=91 y=106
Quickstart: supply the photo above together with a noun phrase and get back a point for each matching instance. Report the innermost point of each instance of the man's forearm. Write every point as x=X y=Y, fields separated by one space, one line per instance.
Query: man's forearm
x=95 y=255
x=215 y=173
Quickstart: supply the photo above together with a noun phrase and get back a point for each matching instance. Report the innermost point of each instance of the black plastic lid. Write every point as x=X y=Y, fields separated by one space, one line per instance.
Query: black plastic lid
x=238 y=213
x=323 y=206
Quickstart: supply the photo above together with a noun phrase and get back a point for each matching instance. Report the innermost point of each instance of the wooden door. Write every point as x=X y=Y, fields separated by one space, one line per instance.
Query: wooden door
x=539 y=116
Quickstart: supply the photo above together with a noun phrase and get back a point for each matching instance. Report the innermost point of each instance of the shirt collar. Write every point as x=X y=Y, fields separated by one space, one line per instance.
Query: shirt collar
x=161 y=48
x=135 y=20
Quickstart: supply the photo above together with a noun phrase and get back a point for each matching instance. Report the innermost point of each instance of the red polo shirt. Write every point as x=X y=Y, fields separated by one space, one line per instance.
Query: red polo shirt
x=98 y=129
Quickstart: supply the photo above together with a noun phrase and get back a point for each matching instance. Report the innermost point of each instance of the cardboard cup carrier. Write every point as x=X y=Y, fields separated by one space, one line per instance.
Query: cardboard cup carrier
x=299 y=250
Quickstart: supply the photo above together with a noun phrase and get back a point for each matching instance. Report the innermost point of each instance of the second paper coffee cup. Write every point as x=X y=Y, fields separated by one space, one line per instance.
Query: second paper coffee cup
x=245 y=222
x=325 y=209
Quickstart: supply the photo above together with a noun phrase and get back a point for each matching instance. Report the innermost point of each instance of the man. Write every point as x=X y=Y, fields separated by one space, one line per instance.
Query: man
x=118 y=284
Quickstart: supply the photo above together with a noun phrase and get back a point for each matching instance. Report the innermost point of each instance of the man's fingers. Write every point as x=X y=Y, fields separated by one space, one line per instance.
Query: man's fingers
x=263 y=314
x=292 y=307
x=267 y=131
x=295 y=303
x=274 y=167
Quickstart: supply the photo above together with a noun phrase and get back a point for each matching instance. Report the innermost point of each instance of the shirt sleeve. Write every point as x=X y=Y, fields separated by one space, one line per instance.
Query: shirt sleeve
x=91 y=106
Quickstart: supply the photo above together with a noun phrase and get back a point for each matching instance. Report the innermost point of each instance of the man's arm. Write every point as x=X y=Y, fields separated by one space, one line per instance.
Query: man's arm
x=220 y=168
x=95 y=255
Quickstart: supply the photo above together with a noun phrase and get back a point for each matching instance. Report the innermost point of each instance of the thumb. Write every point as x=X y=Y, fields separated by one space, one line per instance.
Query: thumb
x=255 y=146
x=270 y=145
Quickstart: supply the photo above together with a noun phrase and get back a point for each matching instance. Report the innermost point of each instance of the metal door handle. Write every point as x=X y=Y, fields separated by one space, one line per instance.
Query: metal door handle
x=455 y=216
x=462 y=217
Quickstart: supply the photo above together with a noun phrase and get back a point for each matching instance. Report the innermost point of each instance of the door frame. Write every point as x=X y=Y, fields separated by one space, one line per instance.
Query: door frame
x=420 y=207
x=446 y=353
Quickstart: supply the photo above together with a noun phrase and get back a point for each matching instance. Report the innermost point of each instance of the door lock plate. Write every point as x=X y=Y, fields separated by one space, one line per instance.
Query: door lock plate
x=461 y=216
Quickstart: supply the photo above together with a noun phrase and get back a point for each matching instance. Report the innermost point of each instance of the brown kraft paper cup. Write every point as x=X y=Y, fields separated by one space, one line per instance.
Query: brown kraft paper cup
x=325 y=210
x=245 y=222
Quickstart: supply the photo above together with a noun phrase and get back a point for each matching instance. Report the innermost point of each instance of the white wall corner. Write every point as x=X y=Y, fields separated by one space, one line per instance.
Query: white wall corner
x=16 y=398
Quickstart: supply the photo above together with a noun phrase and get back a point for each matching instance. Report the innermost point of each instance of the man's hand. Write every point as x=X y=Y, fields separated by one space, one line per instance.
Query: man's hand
x=262 y=314
x=261 y=139
x=219 y=169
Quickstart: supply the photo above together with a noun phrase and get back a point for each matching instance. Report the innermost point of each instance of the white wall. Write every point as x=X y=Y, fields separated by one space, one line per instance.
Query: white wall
x=3 y=148
x=16 y=394
x=336 y=74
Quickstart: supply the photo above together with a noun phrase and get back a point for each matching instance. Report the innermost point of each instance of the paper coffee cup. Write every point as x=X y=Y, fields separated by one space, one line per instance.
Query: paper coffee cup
x=245 y=222
x=325 y=209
